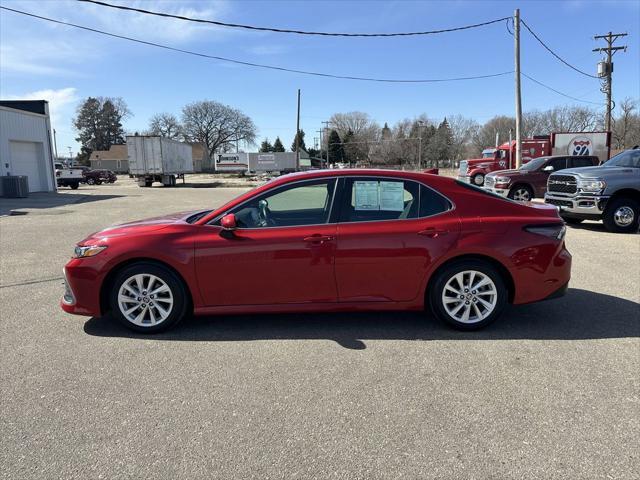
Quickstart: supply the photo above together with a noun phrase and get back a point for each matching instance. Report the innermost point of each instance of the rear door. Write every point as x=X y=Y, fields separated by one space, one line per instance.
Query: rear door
x=389 y=232
x=577 y=162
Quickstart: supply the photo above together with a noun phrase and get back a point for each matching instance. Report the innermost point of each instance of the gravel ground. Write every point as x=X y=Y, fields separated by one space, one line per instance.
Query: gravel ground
x=549 y=391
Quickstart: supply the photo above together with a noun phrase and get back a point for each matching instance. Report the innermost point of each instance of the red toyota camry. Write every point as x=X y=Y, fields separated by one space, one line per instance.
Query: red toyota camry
x=345 y=240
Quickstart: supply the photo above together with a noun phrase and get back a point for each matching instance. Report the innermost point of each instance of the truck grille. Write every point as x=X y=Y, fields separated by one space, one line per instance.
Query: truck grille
x=562 y=184
x=463 y=168
x=558 y=203
x=489 y=182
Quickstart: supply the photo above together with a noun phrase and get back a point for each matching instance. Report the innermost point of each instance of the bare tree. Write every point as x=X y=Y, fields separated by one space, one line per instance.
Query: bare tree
x=571 y=119
x=166 y=125
x=216 y=126
x=464 y=129
x=626 y=125
x=362 y=126
x=486 y=135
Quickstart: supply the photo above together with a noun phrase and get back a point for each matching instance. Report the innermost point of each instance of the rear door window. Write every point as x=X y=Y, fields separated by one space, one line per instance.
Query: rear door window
x=558 y=163
x=367 y=199
x=577 y=162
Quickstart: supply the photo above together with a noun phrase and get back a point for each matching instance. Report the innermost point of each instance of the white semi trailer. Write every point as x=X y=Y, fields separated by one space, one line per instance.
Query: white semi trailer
x=158 y=159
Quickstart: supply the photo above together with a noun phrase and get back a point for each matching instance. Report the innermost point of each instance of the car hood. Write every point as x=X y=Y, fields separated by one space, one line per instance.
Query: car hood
x=507 y=173
x=594 y=172
x=141 y=226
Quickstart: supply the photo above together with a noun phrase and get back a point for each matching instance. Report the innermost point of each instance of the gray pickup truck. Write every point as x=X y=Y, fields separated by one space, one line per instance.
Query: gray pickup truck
x=609 y=192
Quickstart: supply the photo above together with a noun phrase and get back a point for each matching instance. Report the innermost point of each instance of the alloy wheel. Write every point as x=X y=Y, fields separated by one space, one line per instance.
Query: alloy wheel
x=145 y=300
x=522 y=195
x=469 y=296
x=624 y=216
x=479 y=180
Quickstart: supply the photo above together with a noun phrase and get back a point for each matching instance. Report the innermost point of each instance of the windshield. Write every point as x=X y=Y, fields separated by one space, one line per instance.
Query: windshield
x=488 y=153
x=630 y=158
x=534 y=164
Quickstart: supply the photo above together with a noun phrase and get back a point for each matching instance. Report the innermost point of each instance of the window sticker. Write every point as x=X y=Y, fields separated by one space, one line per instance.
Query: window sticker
x=392 y=196
x=366 y=195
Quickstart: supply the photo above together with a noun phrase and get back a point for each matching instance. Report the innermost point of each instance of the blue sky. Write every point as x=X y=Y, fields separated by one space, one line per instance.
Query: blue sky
x=65 y=65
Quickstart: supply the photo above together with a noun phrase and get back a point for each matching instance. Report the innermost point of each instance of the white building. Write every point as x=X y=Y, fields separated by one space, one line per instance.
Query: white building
x=25 y=143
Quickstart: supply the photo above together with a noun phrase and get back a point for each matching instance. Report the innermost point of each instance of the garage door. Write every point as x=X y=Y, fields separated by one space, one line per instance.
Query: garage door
x=27 y=158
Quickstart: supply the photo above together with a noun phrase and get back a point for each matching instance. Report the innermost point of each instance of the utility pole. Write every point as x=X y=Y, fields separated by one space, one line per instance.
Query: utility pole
x=516 y=37
x=55 y=143
x=320 y=133
x=298 y=135
x=326 y=126
x=605 y=69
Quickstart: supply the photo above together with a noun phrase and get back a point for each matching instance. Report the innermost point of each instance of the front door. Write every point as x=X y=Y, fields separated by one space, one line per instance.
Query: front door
x=389 y=233
x=281 y=253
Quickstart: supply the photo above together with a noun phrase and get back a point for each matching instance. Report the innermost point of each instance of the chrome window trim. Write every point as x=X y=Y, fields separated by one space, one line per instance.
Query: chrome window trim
x=333 y=196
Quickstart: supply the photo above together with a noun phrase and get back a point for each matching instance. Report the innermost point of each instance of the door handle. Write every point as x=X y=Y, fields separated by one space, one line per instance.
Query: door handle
x=433 y=232
x=318 y=239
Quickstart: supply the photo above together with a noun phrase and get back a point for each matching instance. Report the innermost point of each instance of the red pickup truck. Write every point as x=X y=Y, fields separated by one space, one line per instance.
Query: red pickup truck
x=530 y=180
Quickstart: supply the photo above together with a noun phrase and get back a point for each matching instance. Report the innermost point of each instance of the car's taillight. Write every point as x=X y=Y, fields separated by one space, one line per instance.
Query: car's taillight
x=554 y=230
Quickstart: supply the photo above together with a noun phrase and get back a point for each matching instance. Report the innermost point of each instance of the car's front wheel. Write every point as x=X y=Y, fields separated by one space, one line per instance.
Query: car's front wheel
x=478 y=179
x=148 y=298
x=468 y=294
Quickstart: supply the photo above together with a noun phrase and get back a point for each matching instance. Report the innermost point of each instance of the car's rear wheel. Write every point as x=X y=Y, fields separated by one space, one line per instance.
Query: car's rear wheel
x=91 y=181
x=148 y=298
x=521 y=193
x=468 y=294
x=622 y=215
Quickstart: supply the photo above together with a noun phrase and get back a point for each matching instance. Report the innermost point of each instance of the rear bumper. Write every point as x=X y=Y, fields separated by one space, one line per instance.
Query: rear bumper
x=533 y=283
x=579 y=206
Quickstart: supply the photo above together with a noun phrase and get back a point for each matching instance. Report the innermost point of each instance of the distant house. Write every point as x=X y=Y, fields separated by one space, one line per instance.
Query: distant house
x=116 y=158
x=25 y=143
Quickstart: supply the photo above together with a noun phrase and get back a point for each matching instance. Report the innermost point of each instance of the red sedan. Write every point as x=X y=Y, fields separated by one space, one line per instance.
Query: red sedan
x=345 y=240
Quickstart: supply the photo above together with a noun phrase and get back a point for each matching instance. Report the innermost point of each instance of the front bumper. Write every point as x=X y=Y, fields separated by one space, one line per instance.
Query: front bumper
x=503 y=192
x=81 y=287
x=580 y=205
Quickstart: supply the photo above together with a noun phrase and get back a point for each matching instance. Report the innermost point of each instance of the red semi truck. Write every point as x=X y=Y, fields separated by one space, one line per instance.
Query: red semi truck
x=563 y=143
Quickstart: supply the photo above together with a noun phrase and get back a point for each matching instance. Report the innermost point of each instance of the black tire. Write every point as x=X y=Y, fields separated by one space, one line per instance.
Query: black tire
x=443 y=276
x=74 y=186
x=148 y=183
x=175 y=284
x=91 y=181
x=521 y=191
x=573 y=220
x=98 y=182
x=613 y=220
x=478 y=179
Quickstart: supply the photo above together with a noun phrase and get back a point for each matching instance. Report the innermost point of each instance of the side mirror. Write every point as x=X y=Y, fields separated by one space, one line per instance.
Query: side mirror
x=548 y=168
x=228 y=222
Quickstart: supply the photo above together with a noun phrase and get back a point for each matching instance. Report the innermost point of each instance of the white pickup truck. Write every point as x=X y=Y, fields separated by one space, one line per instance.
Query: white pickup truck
x=68 y=177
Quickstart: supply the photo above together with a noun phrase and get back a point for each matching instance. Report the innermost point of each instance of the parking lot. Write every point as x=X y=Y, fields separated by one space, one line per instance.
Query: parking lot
x=551 y=390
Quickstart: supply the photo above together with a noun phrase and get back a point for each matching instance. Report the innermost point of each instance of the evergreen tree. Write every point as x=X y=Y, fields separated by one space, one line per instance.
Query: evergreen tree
x=99 y=125
x=350 y=150
x=278 y=146
x=266 y=146
x=336 y=150
x=301 y=145
x=386 y=132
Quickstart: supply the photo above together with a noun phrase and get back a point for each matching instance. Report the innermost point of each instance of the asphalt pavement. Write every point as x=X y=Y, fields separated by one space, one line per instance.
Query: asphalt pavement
x=551 y=390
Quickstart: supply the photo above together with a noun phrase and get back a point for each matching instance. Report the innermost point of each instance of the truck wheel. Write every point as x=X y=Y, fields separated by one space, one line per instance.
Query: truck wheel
x=621 y=215
x=478 y=179
x=90 y=181
x=521 y=193
x=468 y=294
x=74 y=185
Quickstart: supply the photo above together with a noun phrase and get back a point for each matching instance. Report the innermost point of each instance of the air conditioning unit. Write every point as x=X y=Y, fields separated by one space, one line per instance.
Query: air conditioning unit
x=15 y=186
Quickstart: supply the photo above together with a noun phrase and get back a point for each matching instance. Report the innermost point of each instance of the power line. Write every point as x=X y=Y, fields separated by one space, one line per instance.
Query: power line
x=554 y=53
x=257 y=65
x=558 y=91
x=284 y=30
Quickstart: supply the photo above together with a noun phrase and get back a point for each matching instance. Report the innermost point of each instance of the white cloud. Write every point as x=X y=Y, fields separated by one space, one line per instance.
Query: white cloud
x=61 y=103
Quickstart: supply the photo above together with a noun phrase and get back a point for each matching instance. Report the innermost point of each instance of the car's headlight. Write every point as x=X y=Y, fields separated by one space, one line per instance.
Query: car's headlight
x=83 y=251
x=591 y=185
x=502 y=179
